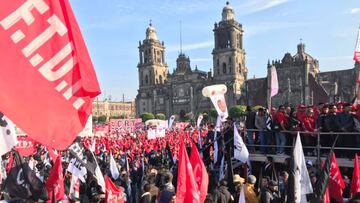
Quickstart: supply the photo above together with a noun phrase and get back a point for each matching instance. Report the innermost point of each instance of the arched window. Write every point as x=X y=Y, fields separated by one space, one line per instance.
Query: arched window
x=157 y=81
x=161 y=79
x=146 y=79
x=240 y=68
x=217 y=62
x=224 y=68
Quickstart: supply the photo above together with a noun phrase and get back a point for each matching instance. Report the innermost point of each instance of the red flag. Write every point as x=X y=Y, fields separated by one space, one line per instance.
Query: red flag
x=187 y=189
x=25 y=146
x=47 y=81
x=355 y=181
x=326 y=197
x=113 y=194
x=55 y=181
x=200 y=173
x=336 y=183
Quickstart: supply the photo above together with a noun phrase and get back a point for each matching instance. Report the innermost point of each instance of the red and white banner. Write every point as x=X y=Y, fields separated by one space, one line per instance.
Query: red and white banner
x=216 y=94
x=101 y=130
x=187 y=187
x=125 y=125
x=25 y=146
x=355 y=181
x=357 y=48
x=336 y=183
x=47 y=80
x=113 y=194
x=200 y=173
x=181 y=125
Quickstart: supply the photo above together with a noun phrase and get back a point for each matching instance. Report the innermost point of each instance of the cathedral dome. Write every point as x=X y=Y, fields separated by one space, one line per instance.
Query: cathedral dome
x=301 y=55
x=151 y=32
x=228 y=12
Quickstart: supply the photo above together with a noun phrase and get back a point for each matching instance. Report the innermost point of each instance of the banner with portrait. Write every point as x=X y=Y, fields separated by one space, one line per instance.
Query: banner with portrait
x=216 y=95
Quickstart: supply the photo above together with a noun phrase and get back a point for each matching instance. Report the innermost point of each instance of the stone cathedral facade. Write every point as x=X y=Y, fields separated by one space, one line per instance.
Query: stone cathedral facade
x=300 y=79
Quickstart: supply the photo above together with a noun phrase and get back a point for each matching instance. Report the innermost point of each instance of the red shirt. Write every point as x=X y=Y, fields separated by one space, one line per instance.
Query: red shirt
x=280 y=117
x=309 y=124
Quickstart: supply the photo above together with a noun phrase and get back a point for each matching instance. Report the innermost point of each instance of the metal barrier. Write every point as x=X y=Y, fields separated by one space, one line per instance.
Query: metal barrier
x=317 y=147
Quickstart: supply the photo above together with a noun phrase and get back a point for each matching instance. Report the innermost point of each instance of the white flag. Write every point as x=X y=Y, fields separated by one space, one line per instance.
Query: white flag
x=241 y=153
x=274 y=82
x=242 y=196
x=93 y=146
x=76 y=169
x=74 y=188
x=8 y=137
x=302 y=179
x=200 y=118
x=113 y=168
x=171 y=121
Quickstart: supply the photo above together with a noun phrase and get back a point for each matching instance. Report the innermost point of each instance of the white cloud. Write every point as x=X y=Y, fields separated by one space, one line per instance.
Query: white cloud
x=266 y=27
x=187 y=47
x=261 y=5
x=355 y=10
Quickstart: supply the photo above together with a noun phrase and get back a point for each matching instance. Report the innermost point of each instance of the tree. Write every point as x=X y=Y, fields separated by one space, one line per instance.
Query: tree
x=213 y=113
x=147 y=116
x=160 y=116
x=237 y=111
x=100 y=119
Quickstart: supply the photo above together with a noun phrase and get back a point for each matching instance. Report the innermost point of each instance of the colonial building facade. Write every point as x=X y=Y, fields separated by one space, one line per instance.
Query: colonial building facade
x=300 y=79
x=113 y=109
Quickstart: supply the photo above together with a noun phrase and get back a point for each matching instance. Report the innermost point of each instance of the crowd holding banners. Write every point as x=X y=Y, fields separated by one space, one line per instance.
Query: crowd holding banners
x=152 y=161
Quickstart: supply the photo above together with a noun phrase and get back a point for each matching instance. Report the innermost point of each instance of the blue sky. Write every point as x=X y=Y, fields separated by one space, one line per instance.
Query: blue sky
x=112 y=30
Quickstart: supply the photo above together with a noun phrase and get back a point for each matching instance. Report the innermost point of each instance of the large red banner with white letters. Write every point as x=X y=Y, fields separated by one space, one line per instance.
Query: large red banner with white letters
x=47 y=80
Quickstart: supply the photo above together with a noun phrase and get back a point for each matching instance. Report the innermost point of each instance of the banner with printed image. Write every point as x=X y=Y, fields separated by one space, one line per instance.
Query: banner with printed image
x=216 y=95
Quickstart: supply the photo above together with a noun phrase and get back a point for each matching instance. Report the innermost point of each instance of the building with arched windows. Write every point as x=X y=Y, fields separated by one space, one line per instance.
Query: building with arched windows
x=300 y=79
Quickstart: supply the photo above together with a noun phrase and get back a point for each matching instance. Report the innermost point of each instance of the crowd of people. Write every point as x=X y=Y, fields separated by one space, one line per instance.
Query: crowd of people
x=277 y=127
x=148 y=168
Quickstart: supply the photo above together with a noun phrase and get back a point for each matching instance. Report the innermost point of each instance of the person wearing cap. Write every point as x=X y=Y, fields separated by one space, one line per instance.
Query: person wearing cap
x=309 y=126
x=281 y=121
x=250 y=194
x=238 y=183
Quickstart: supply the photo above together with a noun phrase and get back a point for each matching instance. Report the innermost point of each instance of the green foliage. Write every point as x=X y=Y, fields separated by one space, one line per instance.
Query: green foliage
x=147 y=116
x=99 y=119
x=237 y=111
x=213 y=113
x=160 y=116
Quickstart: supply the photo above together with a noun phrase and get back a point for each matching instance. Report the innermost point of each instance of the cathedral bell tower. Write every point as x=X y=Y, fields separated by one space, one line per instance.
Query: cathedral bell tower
x=228 y=54
x=152 y=67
